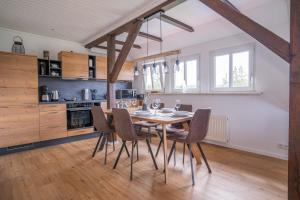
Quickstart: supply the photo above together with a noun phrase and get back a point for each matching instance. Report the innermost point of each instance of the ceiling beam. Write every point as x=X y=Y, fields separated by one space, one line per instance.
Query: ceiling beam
x=149 y=36
x=160 y=55
x=106 y=48
x=231 y=5
x=275 y=43
x=132 y=34
x=136 y=46
x=168 y=4
x=176 y=22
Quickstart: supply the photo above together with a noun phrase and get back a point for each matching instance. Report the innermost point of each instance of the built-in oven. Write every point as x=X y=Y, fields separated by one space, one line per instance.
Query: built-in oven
x=79 y=115
x=126 y=94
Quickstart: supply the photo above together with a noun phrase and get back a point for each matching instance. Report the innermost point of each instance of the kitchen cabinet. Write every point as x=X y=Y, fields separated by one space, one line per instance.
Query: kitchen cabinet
x=81 y=131
x=101 y=67
x=74 y=65
x=19 y=113
x=19 y=125
x=53 y=121
x=126 y=73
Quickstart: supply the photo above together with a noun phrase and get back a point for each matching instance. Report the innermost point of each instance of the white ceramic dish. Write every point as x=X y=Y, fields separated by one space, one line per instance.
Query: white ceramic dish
x=167 y=110
x=142 y=113
x=181 y=113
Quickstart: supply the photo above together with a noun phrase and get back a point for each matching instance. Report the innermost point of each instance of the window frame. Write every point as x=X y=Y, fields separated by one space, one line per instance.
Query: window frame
x=230 y=51
x=185 y=60
x=159 y=64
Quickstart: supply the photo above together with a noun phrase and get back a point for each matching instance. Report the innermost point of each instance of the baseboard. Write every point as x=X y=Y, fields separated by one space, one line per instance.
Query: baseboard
x=35 y=145
x=251 y=150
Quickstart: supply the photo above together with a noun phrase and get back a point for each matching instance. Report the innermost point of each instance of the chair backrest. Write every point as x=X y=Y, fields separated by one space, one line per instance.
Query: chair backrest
x=186 y=107
x=199 y=126
x=99 y=120
x=123 y=124
x=161 y=105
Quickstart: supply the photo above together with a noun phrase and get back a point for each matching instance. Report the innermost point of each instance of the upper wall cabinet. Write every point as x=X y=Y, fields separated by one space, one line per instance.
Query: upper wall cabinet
x=18 y=71
x=74 y=65
x=126 y=73
x=101 y=67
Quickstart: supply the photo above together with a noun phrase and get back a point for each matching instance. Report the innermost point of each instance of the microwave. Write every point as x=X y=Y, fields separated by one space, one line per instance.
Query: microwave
x=126 y=94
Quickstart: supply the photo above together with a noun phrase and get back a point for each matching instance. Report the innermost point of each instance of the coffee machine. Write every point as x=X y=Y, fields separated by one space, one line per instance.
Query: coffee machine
x=44 y=94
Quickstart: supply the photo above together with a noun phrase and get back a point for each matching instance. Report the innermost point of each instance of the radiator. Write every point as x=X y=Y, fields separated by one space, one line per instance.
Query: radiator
x=218 y=130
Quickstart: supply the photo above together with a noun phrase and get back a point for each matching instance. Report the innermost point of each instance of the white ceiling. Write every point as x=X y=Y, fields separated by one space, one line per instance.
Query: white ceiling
x=84 y=20
x=74 y=20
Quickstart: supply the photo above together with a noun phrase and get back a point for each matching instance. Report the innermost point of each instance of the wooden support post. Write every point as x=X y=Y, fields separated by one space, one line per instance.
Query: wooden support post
x=132 y=34
x=111 y=59
x=294 y=132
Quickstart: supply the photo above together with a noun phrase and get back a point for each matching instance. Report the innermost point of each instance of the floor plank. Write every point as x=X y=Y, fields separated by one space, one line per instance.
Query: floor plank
x=67 y=171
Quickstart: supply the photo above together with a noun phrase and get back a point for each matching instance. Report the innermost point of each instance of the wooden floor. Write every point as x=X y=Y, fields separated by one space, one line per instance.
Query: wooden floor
x=67 y=171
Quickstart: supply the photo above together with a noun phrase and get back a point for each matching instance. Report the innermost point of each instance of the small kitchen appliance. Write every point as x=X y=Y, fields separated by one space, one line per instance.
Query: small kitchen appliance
x=54 y=95
x=44 y=94
x=86 y=94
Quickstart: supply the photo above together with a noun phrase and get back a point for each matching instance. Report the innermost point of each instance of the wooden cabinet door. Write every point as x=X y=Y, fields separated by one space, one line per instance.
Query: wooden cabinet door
x=126 y=73
x=101 y=67
x=18 y=71
x=53 y=121
x=19 y=125
x=74 y=65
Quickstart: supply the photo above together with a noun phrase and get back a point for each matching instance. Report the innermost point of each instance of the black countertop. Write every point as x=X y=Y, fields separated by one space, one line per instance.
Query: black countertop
x=66 y=102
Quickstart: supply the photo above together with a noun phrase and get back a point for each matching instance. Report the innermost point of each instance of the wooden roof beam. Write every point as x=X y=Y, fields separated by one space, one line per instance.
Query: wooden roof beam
x=272 y=41
x=168 y=4
x=136 y=46
x=149 y=36
x=132 y=34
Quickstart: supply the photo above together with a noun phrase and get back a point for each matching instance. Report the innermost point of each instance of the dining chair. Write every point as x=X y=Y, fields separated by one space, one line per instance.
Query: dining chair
x=173 y=128
x=127 y=132
x=106 y=130
x=149 y=125
x=197 y=131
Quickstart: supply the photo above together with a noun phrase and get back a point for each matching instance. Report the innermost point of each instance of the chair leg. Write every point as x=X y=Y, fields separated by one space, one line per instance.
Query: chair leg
x=175 y=155
x=183 y=153
x=106 y=144
x=97 y=145
x=127 y=150
x=137 y=150
x=120 y=152
x=171 y=152
x=204 y=158
x=151 y=153
x=131 y=162
x=113 y=142
x=191 y=160
x=159 y=145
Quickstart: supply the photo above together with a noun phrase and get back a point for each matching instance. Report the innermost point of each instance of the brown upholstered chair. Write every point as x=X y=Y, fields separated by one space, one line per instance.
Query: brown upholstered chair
x=104 y=128
x=173 y=129
x=197 y=132
x=127 y=132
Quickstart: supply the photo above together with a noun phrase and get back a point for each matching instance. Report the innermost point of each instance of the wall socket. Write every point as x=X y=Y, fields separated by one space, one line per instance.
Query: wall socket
x=283 y=146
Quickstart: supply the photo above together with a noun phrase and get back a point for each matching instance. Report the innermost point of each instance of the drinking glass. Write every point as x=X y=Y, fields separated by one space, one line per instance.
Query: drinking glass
x=177 y=104
x=156 y=104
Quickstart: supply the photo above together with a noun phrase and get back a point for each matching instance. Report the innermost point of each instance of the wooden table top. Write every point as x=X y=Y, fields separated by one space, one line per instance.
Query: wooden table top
x=159 y=117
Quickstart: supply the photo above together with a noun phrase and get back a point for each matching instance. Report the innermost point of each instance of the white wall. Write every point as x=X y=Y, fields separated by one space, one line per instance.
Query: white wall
x=35 y=44
x=258 y=123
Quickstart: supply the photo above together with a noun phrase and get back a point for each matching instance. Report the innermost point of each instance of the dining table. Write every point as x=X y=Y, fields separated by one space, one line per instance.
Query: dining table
x=164 y=119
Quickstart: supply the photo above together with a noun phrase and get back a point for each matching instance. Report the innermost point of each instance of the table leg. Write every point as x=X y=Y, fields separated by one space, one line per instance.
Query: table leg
x=165 y=151
x=195 y=150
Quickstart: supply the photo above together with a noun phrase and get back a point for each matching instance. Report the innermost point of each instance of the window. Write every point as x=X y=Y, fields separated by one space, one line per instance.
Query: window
x=153 y=77
x=233 y=69
x=186 y=75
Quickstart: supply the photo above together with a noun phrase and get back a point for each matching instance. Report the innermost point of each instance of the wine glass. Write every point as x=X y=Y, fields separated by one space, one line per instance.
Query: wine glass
x=156 y=104
x=177 y=104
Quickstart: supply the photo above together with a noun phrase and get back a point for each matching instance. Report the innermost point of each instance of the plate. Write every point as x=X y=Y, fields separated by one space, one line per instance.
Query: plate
x=142 y=113
x=181 y=113
x=167 y=110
